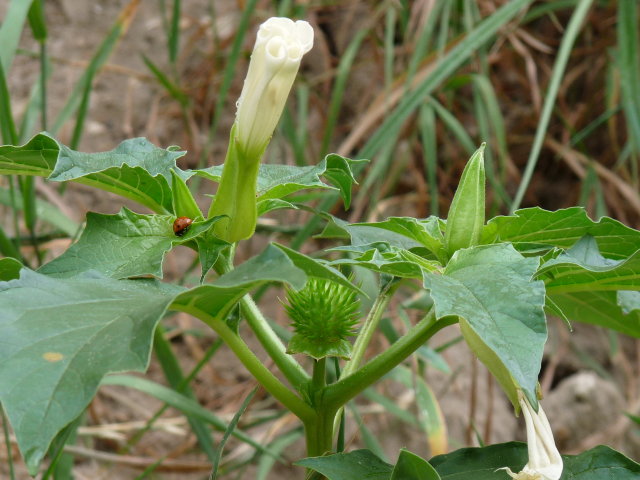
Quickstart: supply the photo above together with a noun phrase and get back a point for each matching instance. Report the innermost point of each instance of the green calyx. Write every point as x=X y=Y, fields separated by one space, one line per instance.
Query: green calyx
x=323 y=314
x=236 y=195
x=467 y=212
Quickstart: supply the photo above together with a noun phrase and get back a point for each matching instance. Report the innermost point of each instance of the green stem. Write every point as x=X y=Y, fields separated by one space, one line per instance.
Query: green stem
x=349 y=386
x=319 y=432
x=319 y=380
x=272 y=344
x=256 y=367
x=369 y=327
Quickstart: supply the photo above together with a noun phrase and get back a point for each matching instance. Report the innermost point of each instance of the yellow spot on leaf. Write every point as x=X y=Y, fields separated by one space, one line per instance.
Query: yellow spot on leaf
x=52 y=356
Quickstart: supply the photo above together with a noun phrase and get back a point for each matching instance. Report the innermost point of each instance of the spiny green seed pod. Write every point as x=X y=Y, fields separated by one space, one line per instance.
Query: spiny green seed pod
x=466 y=214
x=323 y=314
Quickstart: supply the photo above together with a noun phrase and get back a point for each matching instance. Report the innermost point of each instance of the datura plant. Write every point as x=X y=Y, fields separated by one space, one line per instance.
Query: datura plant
x=83 y=318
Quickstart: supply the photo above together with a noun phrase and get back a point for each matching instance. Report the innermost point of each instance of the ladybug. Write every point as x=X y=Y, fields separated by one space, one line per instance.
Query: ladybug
x=181 y=225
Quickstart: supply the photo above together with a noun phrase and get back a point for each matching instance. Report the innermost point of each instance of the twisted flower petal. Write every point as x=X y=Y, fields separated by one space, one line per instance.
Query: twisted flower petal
x=545 y=462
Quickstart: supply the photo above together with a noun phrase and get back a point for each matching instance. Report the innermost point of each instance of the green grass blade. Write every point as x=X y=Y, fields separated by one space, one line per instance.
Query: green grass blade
x=7 y=248
x=554 y=85
x=489 y=118
x=173 y=373
x=266 y=463
x=229 y=74
x=229 y=431
x=37 y=20
x=389 y=53
x=47 y=212
x=448 y=64
x=182 y=403
x=296 y=130
x=369 y=439
x=454 y=125
x=11 y=29
x=172 y=89
x=174 y=32
x=342 y=74
x=208 y=355
x=7 y=125
x=83 y=87
x=629 y=65
x=423 y=43
x=427 y=129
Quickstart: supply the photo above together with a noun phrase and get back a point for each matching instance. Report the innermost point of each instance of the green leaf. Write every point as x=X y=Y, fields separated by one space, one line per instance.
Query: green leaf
x=380 y=257
x=481 y=463
x=501 y=311
x=603 y=308
x=583 y=268
x=411 y=467
x=217 y=299
x=356 y=465
x=9 y=269
x=338 y=348
x=209 y=249
x=60 y=337
x=537 y=230
x=465 y=219
x=401 y=232
x=123 y=245
x=427 y=232
x=184 y=205
x=135 y=169
x=271 y=204
x=278 y=181
x=317 y=268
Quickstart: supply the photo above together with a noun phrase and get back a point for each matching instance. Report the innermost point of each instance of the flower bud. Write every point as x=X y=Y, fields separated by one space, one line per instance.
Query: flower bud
x=279 y=47
x=275 y=60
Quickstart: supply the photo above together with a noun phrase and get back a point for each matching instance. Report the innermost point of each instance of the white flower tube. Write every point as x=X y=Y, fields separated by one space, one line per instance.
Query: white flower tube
x=279 y=47
x=545 y=462
x=275 y=60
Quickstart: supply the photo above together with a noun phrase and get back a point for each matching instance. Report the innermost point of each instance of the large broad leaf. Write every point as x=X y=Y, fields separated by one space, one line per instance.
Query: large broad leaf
x=356 y=465
x=500 y=308
x=583 y=269
x=123 y=245
x=278 y=181
x=535 y=229
x=59 y=337
x=135 y=169
x=483 y=463
x=609 y=309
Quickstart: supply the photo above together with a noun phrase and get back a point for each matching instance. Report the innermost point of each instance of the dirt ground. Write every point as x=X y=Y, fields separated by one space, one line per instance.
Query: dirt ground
x=584 y=407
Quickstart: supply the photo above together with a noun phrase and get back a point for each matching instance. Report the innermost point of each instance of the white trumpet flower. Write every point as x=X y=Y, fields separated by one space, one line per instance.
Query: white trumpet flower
x=545 y=462
x=279 y=48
